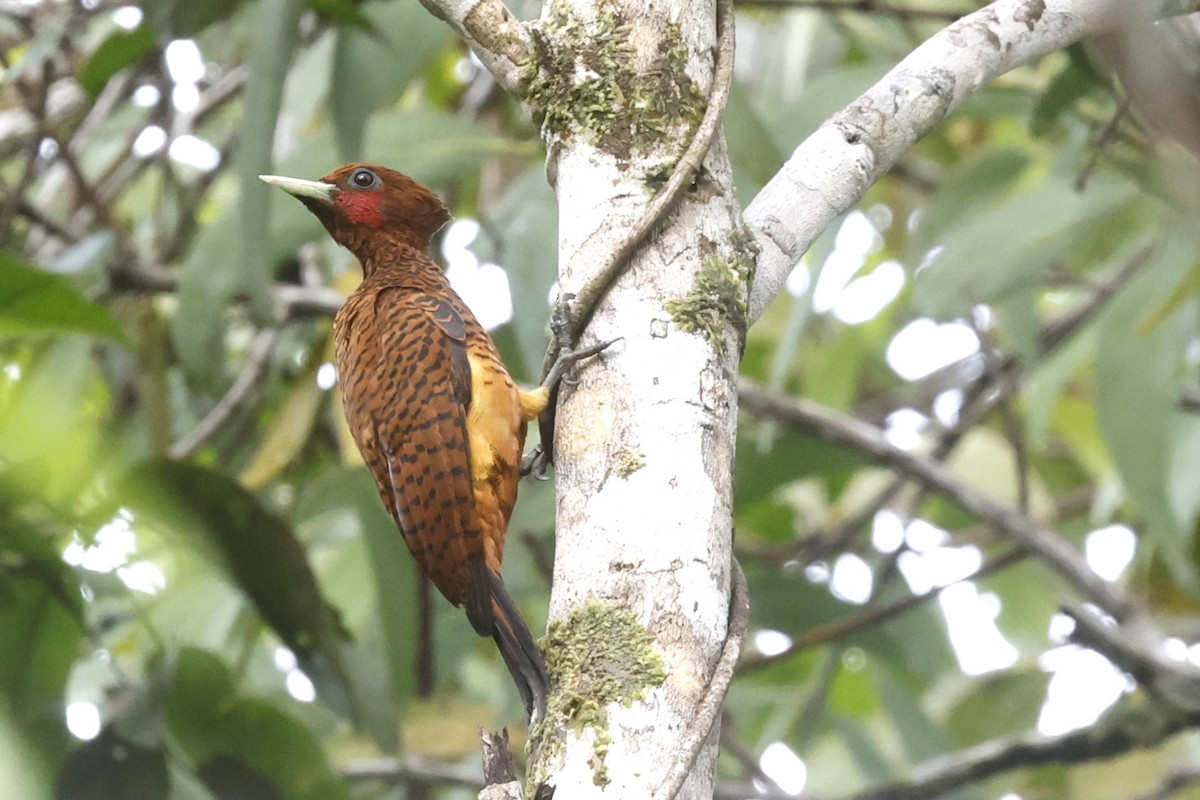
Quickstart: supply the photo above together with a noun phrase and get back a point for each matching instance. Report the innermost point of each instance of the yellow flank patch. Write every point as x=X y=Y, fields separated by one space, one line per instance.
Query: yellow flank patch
x=493 y=419
x=534 y=403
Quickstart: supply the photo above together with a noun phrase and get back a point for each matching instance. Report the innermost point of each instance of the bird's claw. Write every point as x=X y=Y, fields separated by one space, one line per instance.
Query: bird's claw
x=568 y=359
x=535 y=463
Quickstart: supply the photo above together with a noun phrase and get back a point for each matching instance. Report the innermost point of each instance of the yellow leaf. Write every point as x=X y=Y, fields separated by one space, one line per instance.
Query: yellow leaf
x=291 y=428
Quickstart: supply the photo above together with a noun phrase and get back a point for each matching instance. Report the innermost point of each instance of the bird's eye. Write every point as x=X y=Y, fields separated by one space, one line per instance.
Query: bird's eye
x=364 y=179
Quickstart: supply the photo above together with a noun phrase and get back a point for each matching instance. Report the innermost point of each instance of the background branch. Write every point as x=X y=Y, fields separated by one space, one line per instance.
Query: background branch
x=832 y=169
x=496 y=36
x=1040 y=540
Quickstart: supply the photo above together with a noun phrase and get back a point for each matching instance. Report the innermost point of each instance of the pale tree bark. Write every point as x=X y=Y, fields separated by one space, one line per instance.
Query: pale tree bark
x=645 y=441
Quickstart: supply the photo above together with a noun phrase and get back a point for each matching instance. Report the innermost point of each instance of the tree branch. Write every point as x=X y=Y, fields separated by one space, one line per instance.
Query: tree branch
x=499 y=776
x=1123 y=730
x=834 y=167
x=1002 y=375
x=1039 y=539
x=496 y=36
x=413 y=768
x=291 y=301
x=1138 y=649
x=257 y=356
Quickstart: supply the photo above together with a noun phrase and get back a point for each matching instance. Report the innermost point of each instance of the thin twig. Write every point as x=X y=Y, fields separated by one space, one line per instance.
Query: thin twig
x=870 y=616
x=35 y=103
x=732 y=746
x=1107 y=134
x=90 y=197
x=51 y=226
x=1138 y=649
x=257 y=357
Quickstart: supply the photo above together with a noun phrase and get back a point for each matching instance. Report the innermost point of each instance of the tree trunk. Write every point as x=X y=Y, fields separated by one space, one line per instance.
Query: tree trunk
x=645 y=441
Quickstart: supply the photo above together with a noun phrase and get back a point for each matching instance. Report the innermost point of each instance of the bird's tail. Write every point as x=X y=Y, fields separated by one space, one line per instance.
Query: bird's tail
x=521 y=654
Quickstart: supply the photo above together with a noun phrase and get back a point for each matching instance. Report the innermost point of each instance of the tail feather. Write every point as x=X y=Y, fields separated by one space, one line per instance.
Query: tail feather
x=520 y=653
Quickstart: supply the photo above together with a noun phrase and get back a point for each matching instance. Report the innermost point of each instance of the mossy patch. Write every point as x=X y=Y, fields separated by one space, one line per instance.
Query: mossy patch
x=629 y=461
x=581 y=80
x=717 y=299
x=600 y=655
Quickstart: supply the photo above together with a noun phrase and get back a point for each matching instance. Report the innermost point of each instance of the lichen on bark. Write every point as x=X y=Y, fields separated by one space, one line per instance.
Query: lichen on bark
x=587 y=78
x=718 y=297
x=598 y=656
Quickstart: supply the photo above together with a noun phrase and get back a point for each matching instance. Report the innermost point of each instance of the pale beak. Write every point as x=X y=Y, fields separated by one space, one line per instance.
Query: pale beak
x=298 y=188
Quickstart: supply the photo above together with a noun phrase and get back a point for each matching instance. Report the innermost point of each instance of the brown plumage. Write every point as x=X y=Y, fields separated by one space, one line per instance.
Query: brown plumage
x=438 y=420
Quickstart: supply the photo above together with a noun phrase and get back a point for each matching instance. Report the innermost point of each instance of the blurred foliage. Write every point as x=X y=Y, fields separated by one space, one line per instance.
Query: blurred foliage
x=191 y=593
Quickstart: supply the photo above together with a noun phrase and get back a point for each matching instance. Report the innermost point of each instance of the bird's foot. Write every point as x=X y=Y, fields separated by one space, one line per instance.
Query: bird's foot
x=568 y=359
x=541 y=456
x=563 y=368
x=537 y=460
x=535 y=463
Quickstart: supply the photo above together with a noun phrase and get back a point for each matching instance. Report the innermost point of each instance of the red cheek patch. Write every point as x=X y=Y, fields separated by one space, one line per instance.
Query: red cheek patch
x=362 y=209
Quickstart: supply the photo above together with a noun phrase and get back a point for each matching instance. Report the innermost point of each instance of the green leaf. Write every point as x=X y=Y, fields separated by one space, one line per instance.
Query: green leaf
x=871 y=761
x=1030 y=597
x=996 y=255
x=256 y=549
x=230 y=776
x=33 y=301
x=341 y=12
x=287 y=435
x=965 y=188
x=753 y=153
x=270 y=57
x=52 y=434
x=20 y=762
x=247 y=740
x=372 y=67
x=231 y=257
x=1137 y=392
x=919 y=736
x=41 y=628
x=119 y=50
x=183 y=19
x=1076 y=80
x=115 y=769
x=998 y=705
x=762 y=468
x=344 y=503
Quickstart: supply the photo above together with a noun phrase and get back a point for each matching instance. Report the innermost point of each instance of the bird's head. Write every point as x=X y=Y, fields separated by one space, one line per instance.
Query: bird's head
x=360 y=204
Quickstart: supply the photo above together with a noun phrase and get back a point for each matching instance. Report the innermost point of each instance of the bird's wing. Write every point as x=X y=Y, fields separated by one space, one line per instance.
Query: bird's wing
x=406 y=386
